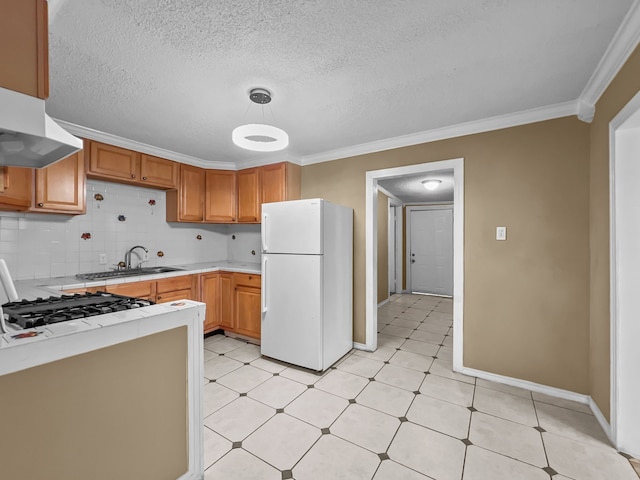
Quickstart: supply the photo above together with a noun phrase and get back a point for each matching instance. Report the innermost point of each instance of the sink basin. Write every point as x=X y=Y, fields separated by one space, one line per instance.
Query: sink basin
x=129 y=272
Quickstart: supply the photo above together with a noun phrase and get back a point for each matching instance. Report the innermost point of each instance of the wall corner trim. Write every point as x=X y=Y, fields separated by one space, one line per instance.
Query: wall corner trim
x=586 y=111
x=360 y=346
x=601 y=419
x=621 y=47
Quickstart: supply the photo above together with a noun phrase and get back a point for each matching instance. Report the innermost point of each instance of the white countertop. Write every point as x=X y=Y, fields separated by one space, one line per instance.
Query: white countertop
x=44 y=287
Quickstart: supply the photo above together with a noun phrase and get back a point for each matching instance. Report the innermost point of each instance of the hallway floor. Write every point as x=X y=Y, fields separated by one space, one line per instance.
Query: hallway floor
x=397 y=413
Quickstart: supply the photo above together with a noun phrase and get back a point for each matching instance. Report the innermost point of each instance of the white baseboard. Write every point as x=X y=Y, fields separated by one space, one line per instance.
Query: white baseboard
x=360 y=346
x=534 y=387
x=191 y=476
x=383 y=302
x=606 y=426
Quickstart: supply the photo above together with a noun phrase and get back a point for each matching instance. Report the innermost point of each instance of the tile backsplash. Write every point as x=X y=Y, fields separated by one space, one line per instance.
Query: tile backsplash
x=49 y=245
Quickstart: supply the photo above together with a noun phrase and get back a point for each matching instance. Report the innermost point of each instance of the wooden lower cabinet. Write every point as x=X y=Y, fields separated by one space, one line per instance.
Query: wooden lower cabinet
x=177 y=288
x=233 y=302
x=146 y=290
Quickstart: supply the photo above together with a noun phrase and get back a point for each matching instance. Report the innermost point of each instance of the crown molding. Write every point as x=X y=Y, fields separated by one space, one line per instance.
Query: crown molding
x=621 y=47
x=99 y=136
x=259 y=162
x=469 y=128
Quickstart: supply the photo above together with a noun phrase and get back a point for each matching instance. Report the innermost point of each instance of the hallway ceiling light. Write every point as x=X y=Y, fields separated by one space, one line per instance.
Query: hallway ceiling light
x=431 y=184
x=260 y=137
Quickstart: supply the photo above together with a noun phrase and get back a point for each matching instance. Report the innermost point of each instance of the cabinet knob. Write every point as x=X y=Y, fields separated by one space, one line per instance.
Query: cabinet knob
x=250 y=277
x=159 y=297
x=144 y=178
x=41 y=205
x=133 y=175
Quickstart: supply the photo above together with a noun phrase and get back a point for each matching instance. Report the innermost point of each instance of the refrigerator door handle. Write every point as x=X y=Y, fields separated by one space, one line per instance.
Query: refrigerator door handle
x=264 y=286
x=264 y=232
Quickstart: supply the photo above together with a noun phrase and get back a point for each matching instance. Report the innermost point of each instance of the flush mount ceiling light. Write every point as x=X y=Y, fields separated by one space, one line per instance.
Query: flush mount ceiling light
x=258 y=136
x=431 y=184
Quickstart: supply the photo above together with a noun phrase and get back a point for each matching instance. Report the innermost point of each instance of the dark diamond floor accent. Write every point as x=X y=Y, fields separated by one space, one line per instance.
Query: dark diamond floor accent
x=371 y=379
x=247 y=363
x=472 y=409
x=434 y=357
x=383 y=456
x=387 y=362
x=397 y=349
x=310 y=386
x=466 y=441
x=221 y=354
x=417 y=392
x=212 y=381
x=352 y=400
x=550 y=471
x=243 y=394
x=279 y=410
x=325 y=431
x=403 y=419
x=287 y=474
x=236 y=445
x=540 y=429
x=276 y=374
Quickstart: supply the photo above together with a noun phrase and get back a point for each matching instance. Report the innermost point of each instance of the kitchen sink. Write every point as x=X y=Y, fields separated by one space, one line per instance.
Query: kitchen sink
x=127 y=272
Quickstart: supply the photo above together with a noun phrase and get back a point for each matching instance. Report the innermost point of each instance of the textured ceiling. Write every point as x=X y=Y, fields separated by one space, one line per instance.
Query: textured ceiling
x=409 y=189
x=176 y=74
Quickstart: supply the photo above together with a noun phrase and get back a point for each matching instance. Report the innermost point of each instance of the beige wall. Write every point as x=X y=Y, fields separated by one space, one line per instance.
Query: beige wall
x=620 y=91
x=115 y=413
x=526 y=300
x=383 y=247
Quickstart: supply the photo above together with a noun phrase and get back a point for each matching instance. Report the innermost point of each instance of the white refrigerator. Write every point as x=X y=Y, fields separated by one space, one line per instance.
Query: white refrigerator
x=307 y=282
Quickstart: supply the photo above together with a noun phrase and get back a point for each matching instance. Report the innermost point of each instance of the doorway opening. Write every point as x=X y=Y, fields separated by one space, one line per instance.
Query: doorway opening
x=371 y=281
x=624 y=198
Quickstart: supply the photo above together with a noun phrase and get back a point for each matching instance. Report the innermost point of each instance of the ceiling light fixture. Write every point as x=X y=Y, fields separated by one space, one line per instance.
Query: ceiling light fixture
x=431 y=184
x=260 y=137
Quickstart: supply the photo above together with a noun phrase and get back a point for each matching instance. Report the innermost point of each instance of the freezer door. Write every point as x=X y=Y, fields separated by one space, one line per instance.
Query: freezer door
x=292 y=309
x=293 y=227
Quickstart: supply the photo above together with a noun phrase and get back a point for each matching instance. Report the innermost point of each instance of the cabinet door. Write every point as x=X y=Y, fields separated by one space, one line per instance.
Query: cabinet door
x=24 y=57
x=61 y=187
x=146 y=290
x=220 y=200
x=16 y=185
x=247 y=306
x=108 y=162
x=158 y=172
x=274 y=188
x=249 y=195
x=227 y=319
x=210 y=295
x=187 y=203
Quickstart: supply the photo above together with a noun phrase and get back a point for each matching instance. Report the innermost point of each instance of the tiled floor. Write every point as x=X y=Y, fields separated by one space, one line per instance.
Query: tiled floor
x=397 y=413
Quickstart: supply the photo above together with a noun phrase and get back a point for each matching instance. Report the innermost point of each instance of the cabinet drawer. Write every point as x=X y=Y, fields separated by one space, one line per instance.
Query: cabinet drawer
x=174 y=283
x=135 y=289
x=174 y=295
x=247 y=279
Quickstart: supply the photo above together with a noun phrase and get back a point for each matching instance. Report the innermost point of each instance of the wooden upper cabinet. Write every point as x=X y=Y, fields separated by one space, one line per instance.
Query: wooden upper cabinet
x=186 y=204
x=220 y=198
x=108 y=162
x=280 y=182
x=16 y=188
x=60 y=187
x=249 y=195
x=24 y=57
x=157 y=171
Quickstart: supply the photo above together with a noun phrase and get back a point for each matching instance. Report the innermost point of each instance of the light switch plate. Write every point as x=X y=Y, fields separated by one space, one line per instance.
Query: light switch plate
x=501 y=233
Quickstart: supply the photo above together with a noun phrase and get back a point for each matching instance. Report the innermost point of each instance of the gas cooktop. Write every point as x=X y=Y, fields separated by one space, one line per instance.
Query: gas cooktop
x=44 y=311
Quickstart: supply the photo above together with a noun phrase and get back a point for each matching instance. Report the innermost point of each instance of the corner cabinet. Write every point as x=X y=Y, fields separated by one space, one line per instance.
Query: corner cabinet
x=60 y=187
x=249 y=195
x=24 y=57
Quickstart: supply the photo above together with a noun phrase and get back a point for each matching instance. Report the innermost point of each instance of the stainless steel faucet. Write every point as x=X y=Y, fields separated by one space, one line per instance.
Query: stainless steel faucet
x=127 y=256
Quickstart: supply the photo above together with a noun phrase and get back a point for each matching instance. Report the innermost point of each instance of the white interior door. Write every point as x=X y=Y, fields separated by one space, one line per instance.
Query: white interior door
x=431 y=251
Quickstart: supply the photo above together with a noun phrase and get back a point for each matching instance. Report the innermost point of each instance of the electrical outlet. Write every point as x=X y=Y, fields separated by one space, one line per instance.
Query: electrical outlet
x=501 y=233
x=102 y=258
x=145 y=256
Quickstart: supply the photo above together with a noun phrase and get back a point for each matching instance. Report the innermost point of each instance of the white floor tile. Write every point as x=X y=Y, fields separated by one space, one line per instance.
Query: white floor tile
x=244 y=379
x=421 y=348
x=389 y=341
x=444 y=417
x=561 y=402
x=386 y=398
x=444 y=368
x=428 y=337
x=507 y=438
x=362 y=366
x=219 y=366
x=415 y=314
x=343 y=384
x=382 y=354
x=277 y=392
x=586 y=461
x=224 y=345
x=400 y=377
x=334 y=458
x=505 y=405
x=404 y=323
x=501 y=387
x=239 y=419
x=245 y=354
x=571 y=424
x=215 y=447
x=282 y=441
x=397 y=331
x=482 y=464
x=433 y=328
x=411 y=360
x=446 y=389
x=366 y=428
x=268 y=365
x=390 y=470
x=240 y=465
x=216 y=396
x=431 y=453
x=300 y=376
x=317 y=407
